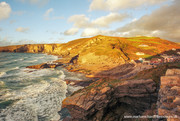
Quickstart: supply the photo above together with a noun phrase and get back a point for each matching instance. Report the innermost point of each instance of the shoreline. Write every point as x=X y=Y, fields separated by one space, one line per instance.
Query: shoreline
x=115 y=78
x=70 y=87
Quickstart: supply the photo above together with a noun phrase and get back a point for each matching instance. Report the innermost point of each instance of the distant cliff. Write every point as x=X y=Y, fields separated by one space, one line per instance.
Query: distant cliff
x=31 y=48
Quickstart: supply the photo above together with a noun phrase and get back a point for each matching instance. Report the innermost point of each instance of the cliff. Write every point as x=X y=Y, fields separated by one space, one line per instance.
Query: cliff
x=169 y=95
x=103 y=102
x=116 y=99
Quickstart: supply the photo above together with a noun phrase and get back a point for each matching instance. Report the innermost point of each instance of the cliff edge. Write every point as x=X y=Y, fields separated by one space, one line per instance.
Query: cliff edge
x=169 y=95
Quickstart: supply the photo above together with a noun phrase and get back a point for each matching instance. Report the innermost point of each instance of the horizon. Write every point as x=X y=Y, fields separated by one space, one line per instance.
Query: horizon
x=47 y=21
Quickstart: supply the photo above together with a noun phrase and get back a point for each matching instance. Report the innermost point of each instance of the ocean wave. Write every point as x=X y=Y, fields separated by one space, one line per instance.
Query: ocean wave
x=18 y=59
x=2 y=74
x=36 y=102
x=17 y=67
x=30 y=61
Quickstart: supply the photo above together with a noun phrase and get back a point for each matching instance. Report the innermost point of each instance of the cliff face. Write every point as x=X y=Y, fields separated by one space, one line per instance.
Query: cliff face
x=107 y=103
x=34 y=48
x=114 y=99
x=169 y=95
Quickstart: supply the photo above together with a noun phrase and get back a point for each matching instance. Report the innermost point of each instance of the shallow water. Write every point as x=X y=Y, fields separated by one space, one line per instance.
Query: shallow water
x=29 y=94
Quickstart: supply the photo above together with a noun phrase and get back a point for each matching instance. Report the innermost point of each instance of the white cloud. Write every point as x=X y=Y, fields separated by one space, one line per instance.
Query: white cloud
x=71 y=31
x=96 y=31
x=80 y=21
x=21 y=29
x=5 y=10
x=105 y=21
x=90 y=32
x=113 y=5
x=47 y=15
x=92 y=27
x=163 y=22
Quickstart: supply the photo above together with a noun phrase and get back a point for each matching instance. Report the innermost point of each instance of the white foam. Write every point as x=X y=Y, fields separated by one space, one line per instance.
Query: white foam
x=29 y=61
x=15 y=68
x=2 y=74
x=62 y=76
x=35 y=101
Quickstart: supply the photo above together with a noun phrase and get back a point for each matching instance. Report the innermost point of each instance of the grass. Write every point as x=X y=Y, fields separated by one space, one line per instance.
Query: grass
x=150 y=57
x=143 y=39
x=134 y=39
x=146 y=56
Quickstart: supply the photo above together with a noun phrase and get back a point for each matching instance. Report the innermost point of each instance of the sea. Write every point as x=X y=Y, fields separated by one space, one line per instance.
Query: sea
x=32 y=94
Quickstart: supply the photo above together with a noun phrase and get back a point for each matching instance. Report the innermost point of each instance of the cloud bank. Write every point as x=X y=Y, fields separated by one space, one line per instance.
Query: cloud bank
x=83 y=22
x=114 y=5
x=71 y=31
x=163 y=22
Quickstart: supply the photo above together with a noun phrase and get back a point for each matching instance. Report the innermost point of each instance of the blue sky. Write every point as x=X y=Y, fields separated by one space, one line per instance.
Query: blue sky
x=60 y=21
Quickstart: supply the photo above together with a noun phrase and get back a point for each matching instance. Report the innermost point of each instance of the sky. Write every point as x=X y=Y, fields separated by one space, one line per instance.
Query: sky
x=60 y=21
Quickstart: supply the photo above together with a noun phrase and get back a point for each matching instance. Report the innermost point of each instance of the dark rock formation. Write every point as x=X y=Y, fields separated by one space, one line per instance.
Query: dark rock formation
x=45 y=65
x=105 y=103
x=74 y=59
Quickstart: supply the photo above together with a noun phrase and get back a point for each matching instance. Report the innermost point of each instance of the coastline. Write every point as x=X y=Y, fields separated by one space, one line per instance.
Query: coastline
x=114 y=81
x=22 y=95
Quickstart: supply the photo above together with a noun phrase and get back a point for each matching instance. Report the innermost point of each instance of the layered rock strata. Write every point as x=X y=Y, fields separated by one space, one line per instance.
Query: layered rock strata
x=107 y=103
x=169 y=95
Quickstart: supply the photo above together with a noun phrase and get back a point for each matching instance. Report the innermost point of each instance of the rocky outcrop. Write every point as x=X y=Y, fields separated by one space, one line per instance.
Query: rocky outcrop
x=45 y=65
x=169 y=95
x=107 y=103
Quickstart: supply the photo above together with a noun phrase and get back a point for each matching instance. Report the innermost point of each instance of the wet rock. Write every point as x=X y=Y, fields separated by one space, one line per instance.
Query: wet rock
x=44 y=65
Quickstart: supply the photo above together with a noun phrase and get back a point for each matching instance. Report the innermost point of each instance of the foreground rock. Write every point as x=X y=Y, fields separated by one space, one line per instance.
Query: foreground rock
x=105 y=103
x=45 y=65
x=169 y=95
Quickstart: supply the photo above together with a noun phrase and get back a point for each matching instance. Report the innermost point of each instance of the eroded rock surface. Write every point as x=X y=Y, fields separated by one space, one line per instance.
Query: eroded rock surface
x=169 y=95
x=104 y=103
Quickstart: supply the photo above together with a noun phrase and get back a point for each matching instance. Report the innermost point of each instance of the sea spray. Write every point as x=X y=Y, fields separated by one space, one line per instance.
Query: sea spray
x=36 y=102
